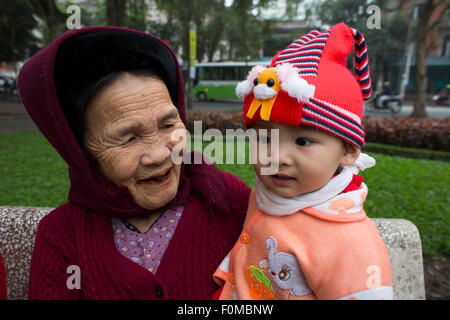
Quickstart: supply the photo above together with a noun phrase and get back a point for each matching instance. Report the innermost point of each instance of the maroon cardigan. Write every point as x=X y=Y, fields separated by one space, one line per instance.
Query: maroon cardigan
x=71 y=236
x=80 y=232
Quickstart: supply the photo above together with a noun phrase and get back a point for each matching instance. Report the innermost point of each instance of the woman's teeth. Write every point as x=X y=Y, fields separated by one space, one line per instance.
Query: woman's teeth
x=159 y=178
x=162 y=177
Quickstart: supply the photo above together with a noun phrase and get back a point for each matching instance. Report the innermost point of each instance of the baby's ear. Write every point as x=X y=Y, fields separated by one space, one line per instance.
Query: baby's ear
x=350 y=155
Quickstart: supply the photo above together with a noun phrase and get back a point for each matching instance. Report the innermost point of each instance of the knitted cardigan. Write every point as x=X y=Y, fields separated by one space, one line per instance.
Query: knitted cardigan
x=75 y=241
x=72 y=236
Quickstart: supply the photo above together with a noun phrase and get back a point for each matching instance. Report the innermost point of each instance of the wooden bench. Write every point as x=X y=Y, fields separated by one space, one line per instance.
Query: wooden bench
x=18 y=228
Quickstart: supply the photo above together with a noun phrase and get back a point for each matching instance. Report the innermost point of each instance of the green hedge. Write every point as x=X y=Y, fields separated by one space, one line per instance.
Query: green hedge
x=406 y=152
x=429 y=134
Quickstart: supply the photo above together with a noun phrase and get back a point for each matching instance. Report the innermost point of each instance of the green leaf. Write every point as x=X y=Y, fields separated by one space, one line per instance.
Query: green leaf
x=259 y=275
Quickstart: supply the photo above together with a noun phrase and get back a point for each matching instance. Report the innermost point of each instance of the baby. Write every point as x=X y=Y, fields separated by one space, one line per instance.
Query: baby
x=306 y=235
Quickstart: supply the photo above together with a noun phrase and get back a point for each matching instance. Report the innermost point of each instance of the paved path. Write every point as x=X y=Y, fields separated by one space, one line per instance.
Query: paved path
x=14 y=117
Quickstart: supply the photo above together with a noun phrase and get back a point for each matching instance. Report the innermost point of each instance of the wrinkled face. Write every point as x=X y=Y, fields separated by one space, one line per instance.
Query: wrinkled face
x=307 y=159
x=129 y=131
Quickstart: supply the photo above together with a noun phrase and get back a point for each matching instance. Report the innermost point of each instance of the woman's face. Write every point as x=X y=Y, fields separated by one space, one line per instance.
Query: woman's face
x=129 y=131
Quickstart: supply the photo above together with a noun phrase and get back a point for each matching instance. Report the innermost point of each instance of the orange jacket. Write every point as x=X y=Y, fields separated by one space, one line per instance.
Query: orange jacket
x=330 y=251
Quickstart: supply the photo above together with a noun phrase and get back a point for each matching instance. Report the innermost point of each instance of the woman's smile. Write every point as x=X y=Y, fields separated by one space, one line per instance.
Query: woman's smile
x=158 y=178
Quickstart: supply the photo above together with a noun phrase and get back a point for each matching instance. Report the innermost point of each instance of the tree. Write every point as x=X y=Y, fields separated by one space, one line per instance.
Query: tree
x=55 y=20
x=213 y=31
x=383 y=44
x=96 y=15
x=237 y=24
x=115 y=12
x=136 y=15
x=292 y=7
x=352 y=12
x=421 y=29
x=17 y=22
x=425 y=28
x=244 y=30
x=177 y=26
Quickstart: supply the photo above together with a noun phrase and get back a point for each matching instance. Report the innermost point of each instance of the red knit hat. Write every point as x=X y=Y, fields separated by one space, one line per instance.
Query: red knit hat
x=308 y=83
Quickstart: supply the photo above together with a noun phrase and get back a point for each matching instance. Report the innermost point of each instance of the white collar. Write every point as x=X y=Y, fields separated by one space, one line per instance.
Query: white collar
x=275 y=205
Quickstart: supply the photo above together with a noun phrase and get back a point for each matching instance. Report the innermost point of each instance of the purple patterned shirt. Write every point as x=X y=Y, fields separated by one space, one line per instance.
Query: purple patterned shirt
x=146 y=249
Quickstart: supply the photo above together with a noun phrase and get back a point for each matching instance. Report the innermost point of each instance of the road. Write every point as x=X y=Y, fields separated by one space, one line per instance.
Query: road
x=406 y=110
x=13 y=116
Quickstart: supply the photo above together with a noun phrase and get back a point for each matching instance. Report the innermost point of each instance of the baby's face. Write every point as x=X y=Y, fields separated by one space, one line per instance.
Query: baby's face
x=307 y=160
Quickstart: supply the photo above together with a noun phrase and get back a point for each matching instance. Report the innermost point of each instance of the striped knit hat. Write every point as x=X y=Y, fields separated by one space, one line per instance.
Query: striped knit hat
x=308 y=83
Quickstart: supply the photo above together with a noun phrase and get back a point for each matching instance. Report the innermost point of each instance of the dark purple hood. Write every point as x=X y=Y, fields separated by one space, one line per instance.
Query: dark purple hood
x=43 y=100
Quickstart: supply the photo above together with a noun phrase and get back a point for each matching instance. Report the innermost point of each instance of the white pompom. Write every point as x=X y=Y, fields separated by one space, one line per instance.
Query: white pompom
x=243 y=88
x=298 y=88
x=293 y=84
x=364 y=161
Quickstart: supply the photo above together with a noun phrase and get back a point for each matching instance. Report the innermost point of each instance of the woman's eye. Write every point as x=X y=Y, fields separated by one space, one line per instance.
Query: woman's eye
x=168 y=126
x=130 y=139
x=302 y=142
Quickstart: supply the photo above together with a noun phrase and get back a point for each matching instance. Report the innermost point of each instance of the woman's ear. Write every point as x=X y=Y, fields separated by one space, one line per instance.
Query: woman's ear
x=350 y=155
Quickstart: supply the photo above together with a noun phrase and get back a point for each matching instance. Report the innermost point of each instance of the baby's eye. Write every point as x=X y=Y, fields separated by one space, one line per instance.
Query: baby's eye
x=303 y=142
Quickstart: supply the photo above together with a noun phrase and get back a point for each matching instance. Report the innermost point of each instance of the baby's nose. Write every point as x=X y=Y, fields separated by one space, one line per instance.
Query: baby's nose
x=284 y=157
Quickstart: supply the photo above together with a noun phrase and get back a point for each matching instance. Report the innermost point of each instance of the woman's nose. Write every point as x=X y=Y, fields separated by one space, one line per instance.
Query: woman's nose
x=155 y=156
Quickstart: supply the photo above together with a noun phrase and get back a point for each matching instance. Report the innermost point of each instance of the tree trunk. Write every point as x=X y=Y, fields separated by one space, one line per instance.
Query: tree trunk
x=55 y=19
x=421 y=60
x=217 y=35
x=230 y=50
x=115 y=12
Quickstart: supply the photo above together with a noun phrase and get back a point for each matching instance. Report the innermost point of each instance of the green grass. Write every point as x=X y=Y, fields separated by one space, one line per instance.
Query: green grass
x=407 y=152
x=31 y=171
x=416 y=190
x=33 y=174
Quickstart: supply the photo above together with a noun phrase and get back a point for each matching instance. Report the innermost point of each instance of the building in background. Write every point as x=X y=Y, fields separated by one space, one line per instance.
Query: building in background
x=438 y=57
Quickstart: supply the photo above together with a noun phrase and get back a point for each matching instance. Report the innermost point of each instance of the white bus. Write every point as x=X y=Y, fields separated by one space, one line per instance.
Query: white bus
x=218 y=80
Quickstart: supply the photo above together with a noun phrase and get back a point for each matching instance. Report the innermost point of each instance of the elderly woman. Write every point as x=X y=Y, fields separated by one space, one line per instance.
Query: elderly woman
x=136 y=225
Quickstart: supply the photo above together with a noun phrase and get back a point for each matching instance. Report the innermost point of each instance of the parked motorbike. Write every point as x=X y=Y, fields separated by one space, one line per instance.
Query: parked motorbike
x=379 y=101
x=8 y=89
x=443 y=97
